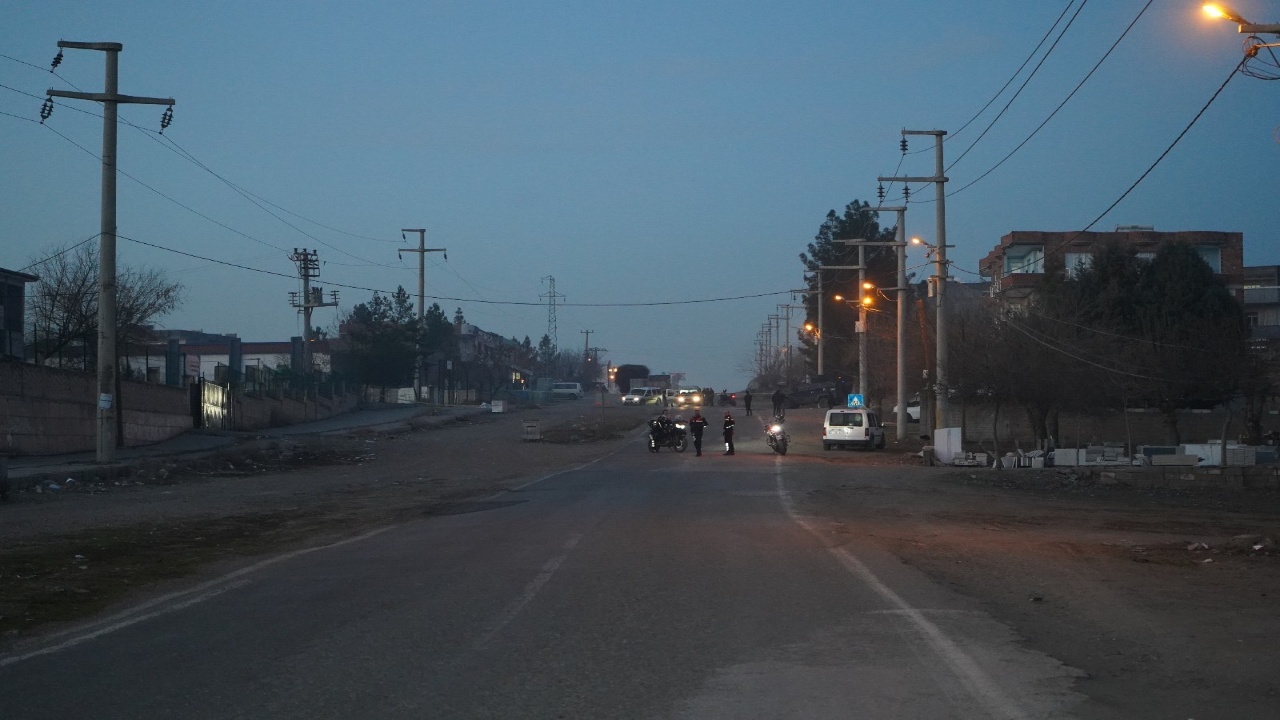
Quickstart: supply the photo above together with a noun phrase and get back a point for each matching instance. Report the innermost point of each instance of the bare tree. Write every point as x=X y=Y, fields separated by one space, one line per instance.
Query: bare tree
x=64 y=306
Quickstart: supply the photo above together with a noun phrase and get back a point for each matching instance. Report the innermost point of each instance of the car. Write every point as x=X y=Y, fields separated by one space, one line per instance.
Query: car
x=851 y=427
x=567 y=390
x=643 y=396
x=913 y=410
x=815 y=394
x=687 y=397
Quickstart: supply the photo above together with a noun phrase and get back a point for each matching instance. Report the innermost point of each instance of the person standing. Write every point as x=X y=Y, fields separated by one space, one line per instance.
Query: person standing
x=728 y=433
x=746 y=399
x=779 y=399
x=697 y=424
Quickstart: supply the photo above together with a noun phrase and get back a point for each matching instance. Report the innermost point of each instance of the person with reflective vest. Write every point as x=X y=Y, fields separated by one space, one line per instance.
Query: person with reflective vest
x=697 y=424
x=728 y=433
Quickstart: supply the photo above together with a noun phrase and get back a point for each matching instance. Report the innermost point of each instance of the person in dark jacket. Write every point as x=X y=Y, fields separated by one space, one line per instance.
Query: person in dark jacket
x=746 y=400
x=728 y=433
x=779 y=399
x=697 y=424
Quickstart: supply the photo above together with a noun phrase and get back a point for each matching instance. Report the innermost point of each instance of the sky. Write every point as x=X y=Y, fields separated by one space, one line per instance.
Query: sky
x=636 y=152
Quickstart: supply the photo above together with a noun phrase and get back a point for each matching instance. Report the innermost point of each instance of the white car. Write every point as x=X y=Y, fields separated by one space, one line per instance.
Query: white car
x=913 y=411
x=643 y=396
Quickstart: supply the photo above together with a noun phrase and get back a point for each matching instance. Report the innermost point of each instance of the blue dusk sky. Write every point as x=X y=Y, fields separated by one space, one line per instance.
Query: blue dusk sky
x=636 y=152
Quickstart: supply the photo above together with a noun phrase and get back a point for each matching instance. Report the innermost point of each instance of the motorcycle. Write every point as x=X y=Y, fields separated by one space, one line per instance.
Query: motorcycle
x=728 y=398
x=776 y=433
x=667 y=433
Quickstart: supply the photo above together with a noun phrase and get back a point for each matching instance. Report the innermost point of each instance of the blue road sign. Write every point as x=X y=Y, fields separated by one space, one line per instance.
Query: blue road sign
x=855 y=401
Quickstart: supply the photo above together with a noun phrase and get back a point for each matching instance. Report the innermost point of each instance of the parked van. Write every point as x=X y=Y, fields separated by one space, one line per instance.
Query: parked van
x=567 y=390
x=851 y=427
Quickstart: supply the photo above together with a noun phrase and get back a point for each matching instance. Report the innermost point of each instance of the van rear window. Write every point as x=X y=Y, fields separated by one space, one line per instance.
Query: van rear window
x=845 y=420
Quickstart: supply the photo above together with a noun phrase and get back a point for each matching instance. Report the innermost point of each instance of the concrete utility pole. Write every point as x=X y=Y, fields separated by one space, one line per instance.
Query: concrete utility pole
x=586 y=347
x=108 y=372
x=788 y=308
x=939 y=180
x=901 y=245
x=422 y=251
x=822 y=299
x=308 y=262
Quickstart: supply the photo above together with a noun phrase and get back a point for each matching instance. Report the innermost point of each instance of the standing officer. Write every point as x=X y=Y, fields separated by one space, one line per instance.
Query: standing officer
x=728 y=433
x=697 y=424
x=746 y=399
x=779 y=399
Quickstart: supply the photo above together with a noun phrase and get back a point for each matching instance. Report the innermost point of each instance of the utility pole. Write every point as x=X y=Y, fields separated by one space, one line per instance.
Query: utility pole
x=788 y=308
x=939 y=180
x=422 y=251
x=901 y=245
x=586 y=347
x=822 y=299
x=108 y=372
x=308 y=262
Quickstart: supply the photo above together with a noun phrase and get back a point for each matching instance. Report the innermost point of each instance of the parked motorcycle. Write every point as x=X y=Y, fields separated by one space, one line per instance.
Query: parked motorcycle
x=668 y=433
x=776 y=432
x=728 y=398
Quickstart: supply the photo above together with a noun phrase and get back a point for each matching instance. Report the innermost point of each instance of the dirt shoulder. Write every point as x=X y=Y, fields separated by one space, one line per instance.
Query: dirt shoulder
x=1168 y=600
x=70 y=554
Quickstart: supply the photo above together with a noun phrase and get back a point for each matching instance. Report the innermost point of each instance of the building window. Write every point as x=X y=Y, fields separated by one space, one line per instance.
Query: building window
x=1251 y=319
x=1024 y=259
x=1212 y=255
x=1075 y=262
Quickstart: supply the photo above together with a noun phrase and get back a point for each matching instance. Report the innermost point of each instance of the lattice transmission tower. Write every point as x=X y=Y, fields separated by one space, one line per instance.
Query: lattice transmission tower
x=551 y=295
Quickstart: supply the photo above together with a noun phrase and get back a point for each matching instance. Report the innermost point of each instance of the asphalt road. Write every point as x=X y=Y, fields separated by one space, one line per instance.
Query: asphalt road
x=636 y=586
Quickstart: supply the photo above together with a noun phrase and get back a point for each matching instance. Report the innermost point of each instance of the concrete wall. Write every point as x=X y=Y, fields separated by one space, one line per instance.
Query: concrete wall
x=254 y=412
x=45 y=411
x=1143 y=427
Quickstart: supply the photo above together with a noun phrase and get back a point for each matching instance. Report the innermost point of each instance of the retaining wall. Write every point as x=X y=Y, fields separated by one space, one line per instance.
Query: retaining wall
x=50 y=411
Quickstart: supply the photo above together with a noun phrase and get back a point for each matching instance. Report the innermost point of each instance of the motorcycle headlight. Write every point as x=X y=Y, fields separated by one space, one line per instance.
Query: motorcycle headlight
x=680 y=425
x=775 y=428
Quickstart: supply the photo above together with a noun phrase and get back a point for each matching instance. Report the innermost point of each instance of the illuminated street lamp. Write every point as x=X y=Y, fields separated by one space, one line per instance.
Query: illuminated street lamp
x=1218 y=10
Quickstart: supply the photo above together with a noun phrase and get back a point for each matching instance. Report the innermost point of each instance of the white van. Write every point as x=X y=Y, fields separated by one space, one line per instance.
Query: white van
x=851 y=427
x=567 y=390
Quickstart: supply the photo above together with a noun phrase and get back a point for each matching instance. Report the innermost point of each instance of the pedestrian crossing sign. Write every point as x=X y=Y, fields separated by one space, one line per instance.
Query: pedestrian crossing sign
x=855 y=401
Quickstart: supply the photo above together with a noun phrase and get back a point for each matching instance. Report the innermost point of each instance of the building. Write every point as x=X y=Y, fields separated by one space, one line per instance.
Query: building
x=1016 y=265
x=1262 y=302
x=13 y=312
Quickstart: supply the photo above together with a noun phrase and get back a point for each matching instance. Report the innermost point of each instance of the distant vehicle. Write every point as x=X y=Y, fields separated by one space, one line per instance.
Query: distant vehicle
x=567 y=390
x=913 y=410
x=850 y=427
x=689 y=397
x=643 y=396
x=814 y=394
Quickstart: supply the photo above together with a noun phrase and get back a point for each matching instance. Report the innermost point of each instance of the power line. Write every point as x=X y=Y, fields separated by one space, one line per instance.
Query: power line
x=1060 y=105
x=1022 y=87
x=458 y=299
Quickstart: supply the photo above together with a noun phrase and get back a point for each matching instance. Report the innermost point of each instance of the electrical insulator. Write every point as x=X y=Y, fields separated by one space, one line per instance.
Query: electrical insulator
x=906 y=193
x=57 y=60
x=46 y=110
x=880 y=192
x=166 y=119
x=903 y=144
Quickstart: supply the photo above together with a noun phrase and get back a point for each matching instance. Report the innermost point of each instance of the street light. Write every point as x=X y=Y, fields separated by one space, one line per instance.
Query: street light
x=1223 y=12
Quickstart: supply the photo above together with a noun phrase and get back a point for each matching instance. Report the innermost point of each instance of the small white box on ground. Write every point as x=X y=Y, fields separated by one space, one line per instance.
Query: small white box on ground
x=498 y=406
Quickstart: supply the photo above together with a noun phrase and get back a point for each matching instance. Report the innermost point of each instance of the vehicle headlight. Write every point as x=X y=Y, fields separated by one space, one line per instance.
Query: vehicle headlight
x=775 y=428
x=680 y=425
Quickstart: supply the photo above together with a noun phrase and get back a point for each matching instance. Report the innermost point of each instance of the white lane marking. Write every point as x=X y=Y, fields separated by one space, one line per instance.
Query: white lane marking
x=979 y=685
x=198 y=594
x=557 y=473
x=121 y=625
x=531 y=590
